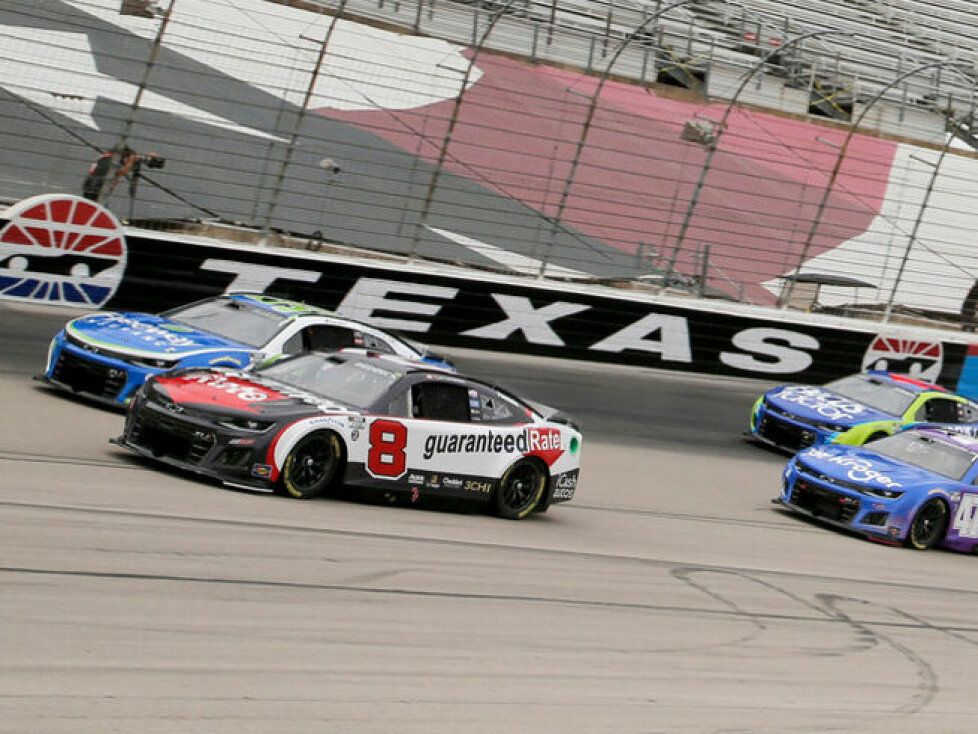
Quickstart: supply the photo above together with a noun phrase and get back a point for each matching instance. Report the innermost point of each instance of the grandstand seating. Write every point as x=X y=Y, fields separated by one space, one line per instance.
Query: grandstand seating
x=889 y=38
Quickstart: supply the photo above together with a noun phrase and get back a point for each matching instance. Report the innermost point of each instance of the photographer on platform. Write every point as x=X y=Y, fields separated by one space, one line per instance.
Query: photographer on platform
x=130 y=165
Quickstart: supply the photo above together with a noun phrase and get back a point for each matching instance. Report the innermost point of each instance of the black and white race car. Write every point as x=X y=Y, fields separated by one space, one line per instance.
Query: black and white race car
x=313 y=421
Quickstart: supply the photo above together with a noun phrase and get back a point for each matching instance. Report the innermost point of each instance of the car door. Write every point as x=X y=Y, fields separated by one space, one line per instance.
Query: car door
x=964 y=507
x=435 y=436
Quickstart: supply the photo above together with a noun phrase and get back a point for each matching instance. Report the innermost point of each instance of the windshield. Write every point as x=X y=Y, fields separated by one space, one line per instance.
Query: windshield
x=232 y=319
x=873 y=392
x=351 y=382
x=926 y=452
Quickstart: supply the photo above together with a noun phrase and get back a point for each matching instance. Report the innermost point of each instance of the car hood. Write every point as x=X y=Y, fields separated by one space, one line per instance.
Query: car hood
x=142 y=333
x=233 y=392
x=862 y=465
x=818 y=405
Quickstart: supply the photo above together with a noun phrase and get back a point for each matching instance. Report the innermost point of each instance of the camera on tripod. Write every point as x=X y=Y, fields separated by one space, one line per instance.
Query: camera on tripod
x=153 y=161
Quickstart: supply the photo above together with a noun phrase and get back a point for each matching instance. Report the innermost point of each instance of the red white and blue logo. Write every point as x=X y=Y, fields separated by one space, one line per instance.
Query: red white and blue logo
x=61 y=249
x=917 y=358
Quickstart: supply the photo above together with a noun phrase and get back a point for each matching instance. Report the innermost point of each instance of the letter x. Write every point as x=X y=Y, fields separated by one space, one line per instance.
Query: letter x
x=521 y=316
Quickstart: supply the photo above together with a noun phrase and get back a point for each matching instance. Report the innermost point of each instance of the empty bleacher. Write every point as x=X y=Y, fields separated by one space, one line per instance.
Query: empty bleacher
x=883 y=40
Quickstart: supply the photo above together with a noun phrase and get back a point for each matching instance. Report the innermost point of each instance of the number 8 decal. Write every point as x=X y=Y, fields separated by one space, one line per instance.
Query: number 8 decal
x=386 y=457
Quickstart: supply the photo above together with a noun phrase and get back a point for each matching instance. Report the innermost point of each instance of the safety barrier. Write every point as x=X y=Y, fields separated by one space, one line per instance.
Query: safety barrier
x=59 y=249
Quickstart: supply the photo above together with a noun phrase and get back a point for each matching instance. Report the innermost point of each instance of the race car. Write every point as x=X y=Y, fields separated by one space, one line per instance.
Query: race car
x=852 y=410
x=311 y=422
x=106 y=356
x=916 y=487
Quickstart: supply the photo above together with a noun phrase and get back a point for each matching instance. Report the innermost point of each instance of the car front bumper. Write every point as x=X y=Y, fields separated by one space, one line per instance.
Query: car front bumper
x=879 y=518
x=104 y=378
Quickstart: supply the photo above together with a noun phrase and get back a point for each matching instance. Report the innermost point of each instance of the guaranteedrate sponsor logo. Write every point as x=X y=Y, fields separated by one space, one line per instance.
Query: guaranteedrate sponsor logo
x=530 y=441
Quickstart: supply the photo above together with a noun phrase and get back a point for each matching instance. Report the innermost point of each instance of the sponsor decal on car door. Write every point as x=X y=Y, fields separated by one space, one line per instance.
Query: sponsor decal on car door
x=397 y=446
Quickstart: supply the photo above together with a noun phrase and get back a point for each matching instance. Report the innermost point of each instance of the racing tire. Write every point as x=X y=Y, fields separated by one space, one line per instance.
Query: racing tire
x=520 y=490
x=313 y=466
x=928 y=526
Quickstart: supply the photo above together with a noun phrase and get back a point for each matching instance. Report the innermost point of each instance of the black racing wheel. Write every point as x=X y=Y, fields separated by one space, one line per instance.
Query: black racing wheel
x=312 y=466
x=928 y=525
x=520 y=489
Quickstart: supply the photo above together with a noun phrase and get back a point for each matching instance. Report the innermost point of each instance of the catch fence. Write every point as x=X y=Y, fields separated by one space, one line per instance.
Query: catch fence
x=633 y=148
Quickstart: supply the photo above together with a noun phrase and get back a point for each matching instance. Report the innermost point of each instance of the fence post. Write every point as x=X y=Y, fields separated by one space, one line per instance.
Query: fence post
x=592 y=108
x=816 y=220
x=300 y=116
x=443 y=153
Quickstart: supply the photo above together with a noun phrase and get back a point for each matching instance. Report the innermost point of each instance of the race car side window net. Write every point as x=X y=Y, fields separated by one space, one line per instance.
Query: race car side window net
x=325 y=338
x=440 y=401
x=941 y=411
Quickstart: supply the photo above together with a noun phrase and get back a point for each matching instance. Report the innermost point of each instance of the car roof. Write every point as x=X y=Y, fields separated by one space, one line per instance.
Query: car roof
x=413 y=368
x=907 y=382
x=282 y=306
x=948 y=434
x=391 y=362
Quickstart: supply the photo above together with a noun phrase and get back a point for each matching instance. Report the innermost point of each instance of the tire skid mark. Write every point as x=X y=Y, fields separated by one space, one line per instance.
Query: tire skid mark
x=928 y=685
x=685 y=576
x=731 y=613
x=474 y=544
x=866 y=634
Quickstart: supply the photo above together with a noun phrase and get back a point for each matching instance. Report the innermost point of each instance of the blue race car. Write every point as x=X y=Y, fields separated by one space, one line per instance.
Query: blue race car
x=916 y=487
x=852 y=410
x=106 y=356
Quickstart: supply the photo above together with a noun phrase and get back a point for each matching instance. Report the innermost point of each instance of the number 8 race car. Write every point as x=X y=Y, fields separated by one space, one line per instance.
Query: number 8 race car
x=310 y=422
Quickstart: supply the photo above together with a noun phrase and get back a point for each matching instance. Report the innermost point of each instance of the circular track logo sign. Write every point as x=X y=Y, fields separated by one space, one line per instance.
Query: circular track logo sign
x=920 y=359
x=61 y=249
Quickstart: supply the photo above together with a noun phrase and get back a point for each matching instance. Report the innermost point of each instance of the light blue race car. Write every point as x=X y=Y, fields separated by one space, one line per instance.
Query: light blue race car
x=106 y=356
x=918 y=487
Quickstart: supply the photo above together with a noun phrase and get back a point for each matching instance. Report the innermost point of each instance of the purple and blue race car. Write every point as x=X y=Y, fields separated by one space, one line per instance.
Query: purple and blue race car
x=918 y=487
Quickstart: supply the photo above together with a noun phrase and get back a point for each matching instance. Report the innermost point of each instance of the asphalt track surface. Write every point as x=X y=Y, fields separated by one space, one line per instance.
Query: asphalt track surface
x=669 y=596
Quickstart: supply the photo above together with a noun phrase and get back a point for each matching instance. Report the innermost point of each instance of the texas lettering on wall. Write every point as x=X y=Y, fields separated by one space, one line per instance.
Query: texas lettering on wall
x=459 y=308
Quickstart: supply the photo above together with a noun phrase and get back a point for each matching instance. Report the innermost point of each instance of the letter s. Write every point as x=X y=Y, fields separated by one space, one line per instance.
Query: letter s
x=758 y=340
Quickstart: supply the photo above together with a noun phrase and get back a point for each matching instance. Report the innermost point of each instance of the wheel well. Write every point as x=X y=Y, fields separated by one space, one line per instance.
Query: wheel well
x=330 y=432
x=320 y=432
x=498 y=503
x=541 y=464
x=947 y=513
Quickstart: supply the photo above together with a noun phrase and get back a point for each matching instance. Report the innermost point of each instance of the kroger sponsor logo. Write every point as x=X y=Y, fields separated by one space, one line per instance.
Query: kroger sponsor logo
x=859 y=469
x=827 y=405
